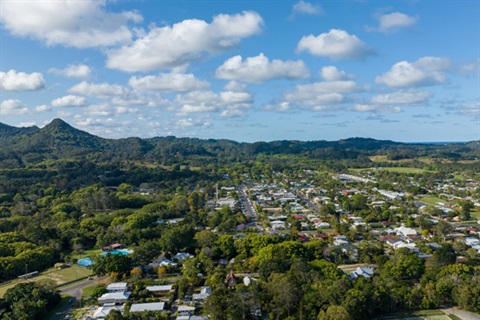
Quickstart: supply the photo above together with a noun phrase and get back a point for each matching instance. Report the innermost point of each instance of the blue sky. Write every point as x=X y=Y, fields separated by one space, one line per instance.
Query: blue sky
x=244 y=70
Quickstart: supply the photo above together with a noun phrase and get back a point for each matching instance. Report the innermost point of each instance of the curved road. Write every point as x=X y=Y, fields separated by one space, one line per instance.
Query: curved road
x=462 y=314
x=75 y=291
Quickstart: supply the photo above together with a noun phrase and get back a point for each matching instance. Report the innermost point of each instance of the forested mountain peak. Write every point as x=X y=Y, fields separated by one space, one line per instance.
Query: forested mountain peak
x=59 y=140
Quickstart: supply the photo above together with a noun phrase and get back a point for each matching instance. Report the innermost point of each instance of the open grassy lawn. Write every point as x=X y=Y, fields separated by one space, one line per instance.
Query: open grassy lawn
x=394 y=169
x=87 y=253
x=420 y=315
x=476 y=214
x=59 y=275
x=404 y=170
x=88 y=291
x=430 y=200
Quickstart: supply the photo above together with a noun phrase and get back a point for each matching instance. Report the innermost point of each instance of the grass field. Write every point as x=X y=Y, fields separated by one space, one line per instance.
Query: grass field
x=404 y=170
x=395 y=169
x=59 y=275
x=87 y=253
x=420 y=315
x=430 y=200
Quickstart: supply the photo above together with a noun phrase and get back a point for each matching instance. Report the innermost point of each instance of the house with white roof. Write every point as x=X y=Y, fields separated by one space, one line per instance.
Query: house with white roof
x=162 y=262
x=204 y=293
x=405 y=232
x=114 y=298
x=158 y=289
x=153 y=306
x=117 y=287
x=182 y=256
x=184 y=312
x=365 y=272
x=103 y=311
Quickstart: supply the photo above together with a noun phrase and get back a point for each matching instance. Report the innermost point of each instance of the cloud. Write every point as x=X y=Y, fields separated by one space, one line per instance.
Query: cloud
x=318 y=96
x=189 y=122
x=402 y=97
x=118 y=95
x=303 y=7
x=331 y=73
x=176 y=82
x=472 y=68
x=98 y=90
x=469 y=109
x=228 y=103
x=69 y=101
x=177 y=45
x=21 y=81
x=393 y=22
x=79 y=24
x=12 y=107
x=376 y=108
x=43 y=108
x=260 y=68
x=335 y=44
x=426 y=71
x=80 y=71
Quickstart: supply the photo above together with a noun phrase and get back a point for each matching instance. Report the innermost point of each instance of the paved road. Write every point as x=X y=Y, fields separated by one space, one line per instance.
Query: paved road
x=75 y=291
x=462 y=314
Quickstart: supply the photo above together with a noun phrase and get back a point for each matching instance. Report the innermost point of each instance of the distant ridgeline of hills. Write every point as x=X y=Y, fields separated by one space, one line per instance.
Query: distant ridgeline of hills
x=30 y=146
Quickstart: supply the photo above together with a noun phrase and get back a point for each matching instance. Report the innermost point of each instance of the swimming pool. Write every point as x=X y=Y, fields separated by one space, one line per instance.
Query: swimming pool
x=85 y=262
x=118 y=251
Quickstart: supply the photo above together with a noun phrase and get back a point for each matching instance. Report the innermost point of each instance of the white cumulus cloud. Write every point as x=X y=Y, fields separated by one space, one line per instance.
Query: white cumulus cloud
x=98 y=90
x=304 y=7
x=426 y=71
x=176 y=45
x=21 y=81
x=72 y=23
x=402 y=97
x=331 y=73
x=69 y=101
x=473 y=68
x=43 y=108
x=260 y=68
x=12 y=107
x=172 y=82
x=393 y=21
x=189 y=122
x=318 y=96
x=228 y=103
x=80 y=71
x=335 y=44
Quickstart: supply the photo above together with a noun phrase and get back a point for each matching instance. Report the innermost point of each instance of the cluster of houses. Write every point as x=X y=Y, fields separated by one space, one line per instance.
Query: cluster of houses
x=302 y=201
x=117 y=295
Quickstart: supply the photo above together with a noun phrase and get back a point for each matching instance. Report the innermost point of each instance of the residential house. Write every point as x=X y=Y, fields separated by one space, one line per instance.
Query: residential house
x=182 y=256
x=103 y=311
x=204 y=293
x=113 y=298
x=365 y=272
x=117 y=287
x=184 y=312
x=153 y=306
x=159 y=289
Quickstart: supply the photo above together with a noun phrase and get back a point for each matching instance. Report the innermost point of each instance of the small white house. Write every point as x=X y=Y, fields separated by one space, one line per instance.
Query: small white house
x=113 y=298
x=153 y=306
x=117 y=287
x=365 y=272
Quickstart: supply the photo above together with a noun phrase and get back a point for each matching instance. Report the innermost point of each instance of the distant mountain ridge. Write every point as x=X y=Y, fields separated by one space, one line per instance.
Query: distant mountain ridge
x=59 y=140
